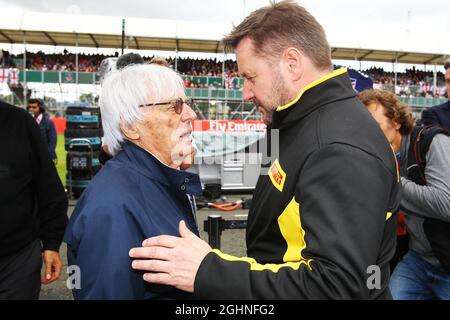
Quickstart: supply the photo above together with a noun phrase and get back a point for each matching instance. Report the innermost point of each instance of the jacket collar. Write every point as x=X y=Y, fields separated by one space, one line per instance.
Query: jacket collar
x=332 y=87
x=148 y=165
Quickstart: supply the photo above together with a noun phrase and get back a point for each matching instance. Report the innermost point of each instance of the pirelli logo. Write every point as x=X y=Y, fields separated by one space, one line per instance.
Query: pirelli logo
x=277 y=175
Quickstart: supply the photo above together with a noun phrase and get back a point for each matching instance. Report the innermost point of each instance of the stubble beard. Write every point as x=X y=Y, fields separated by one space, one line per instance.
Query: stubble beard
x=278 y=97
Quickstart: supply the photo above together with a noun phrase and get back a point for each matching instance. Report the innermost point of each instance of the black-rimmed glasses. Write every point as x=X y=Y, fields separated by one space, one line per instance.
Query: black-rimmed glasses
x=177 y=104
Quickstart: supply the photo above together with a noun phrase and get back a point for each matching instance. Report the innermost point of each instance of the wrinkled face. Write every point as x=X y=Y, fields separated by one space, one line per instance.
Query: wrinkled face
x=167 y=134
x=33 y=108
x=447 y=82
x=389 y=126
x=264 y=84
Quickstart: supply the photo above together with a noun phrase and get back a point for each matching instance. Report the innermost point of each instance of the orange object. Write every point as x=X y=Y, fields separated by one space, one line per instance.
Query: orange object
x=60 y=124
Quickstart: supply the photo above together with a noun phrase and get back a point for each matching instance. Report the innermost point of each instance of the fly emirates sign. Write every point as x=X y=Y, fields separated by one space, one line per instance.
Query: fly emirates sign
x=229 y=125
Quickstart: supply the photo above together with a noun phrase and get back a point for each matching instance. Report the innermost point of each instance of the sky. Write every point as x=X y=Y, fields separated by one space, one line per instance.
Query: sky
x=402 y=25
x=407 y=25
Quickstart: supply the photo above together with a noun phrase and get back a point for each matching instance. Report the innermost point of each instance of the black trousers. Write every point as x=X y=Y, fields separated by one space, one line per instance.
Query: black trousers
x=20 y=274
x=400 y=250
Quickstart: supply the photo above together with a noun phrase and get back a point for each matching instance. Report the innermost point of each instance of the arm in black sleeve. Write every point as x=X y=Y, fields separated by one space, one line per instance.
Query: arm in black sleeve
x=51 y=197
x=341 y=201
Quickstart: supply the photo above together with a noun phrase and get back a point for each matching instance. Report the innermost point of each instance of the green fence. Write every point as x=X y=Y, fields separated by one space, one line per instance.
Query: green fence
x=421 y=101
x=92 y=78
x=59 y=77
x=214 y=94
x=213 y=86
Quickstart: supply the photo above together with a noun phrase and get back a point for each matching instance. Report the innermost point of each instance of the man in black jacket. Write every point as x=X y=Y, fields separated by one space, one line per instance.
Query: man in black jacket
x=322 y=221
x=439 y=115
x=33 y=207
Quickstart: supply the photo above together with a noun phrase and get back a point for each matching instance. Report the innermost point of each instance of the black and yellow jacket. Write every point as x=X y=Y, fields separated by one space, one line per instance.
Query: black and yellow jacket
x=321 y=222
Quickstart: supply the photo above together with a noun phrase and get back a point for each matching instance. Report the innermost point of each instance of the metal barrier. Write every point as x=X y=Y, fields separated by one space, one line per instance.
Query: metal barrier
x=215 y=225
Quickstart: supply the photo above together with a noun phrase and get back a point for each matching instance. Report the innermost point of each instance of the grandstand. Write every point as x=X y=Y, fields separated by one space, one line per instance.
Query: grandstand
x=205 y=79
x=212 y=83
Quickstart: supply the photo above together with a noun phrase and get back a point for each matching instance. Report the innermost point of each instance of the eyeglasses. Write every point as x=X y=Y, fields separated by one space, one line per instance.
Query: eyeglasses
x=177 y=104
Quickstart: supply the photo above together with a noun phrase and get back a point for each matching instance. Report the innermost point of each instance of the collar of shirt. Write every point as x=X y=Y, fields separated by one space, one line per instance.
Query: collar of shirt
x=39 y=118
x=149 y=166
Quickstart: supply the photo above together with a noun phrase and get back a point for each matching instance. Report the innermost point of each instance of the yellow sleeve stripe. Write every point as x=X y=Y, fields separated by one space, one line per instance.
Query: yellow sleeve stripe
x=254 y=266
x=292 y=231
x=388 y=215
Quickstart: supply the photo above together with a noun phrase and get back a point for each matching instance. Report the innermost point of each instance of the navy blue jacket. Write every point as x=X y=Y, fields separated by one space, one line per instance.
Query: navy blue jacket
x=132 y=198
x=437 y=115
x=48 y=132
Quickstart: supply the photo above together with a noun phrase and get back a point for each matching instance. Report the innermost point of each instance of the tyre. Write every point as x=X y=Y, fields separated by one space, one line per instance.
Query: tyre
x=91 y=138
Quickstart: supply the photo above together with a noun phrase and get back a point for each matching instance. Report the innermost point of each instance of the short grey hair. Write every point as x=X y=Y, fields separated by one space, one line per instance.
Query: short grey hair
x=124 y=90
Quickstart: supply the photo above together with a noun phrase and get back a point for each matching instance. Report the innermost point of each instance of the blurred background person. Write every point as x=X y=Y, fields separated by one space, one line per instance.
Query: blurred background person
x=424 y=272
x=440 y=114
x=36 y=108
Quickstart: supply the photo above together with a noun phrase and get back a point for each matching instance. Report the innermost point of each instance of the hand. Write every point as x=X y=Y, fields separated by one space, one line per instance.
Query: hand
x=53 y=266
x=173 y=261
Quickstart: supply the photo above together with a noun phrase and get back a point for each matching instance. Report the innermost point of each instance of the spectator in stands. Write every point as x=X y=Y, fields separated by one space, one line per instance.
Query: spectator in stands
x=37 y=109
x=439 y=115
x=320 y=216
x=410 y=83
x=419 y=275
x=6 y=60
x=33 y=208
x=140 y=192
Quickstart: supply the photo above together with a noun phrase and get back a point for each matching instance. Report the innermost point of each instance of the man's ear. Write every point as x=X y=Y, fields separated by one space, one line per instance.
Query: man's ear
x=130 y=131
x=293 y=61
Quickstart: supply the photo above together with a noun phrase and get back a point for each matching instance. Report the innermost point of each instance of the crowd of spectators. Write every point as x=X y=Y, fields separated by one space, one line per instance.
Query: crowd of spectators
x=56 y=62
x=412 y=82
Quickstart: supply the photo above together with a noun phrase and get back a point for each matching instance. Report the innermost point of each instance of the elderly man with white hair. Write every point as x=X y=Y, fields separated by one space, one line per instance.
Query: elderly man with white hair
x=142 y=191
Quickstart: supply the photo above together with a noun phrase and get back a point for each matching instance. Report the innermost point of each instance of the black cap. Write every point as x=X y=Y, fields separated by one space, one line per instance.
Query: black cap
x=128 y=59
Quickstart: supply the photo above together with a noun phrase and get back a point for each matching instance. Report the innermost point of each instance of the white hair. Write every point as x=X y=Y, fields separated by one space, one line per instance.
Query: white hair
x=125 y=89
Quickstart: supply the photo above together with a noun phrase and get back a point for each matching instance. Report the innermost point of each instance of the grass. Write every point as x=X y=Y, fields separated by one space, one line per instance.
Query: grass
x=61 y=154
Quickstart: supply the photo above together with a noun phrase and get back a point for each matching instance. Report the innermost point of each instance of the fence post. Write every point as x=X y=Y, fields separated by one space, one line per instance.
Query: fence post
x=214 y=230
